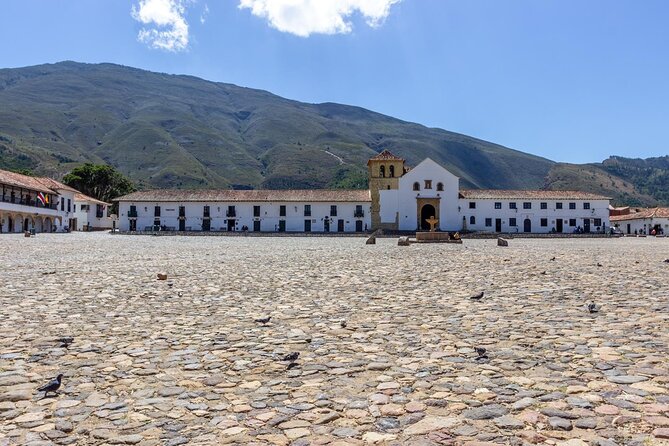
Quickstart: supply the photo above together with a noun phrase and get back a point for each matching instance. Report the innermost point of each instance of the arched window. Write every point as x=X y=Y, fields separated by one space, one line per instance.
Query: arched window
x=382 y=171
x=440 y=186
x=391 y=171
x=472 y=220
x=416 y=186
x=389 y=187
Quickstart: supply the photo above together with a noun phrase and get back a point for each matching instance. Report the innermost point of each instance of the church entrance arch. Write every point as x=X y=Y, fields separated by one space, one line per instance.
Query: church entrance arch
x=427 y=211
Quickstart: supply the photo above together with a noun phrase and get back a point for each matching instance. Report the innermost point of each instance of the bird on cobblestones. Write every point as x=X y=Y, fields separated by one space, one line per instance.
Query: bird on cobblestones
x=478 y=296
x=342 y=324
x=480 y=351
x=292 y=365
x=553 y=259
x=65 y=341
x=599 y=264
x=292 y=357
x=665 y=261
x=592 y=307
x=51 y=386
x=263 y=320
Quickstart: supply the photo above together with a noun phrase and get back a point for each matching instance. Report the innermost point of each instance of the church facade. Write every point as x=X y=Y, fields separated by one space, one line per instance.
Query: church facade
x=398 y=199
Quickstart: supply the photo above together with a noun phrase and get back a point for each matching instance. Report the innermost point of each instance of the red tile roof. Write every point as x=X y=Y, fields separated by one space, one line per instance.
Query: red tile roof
x=83 y=197
x=643 y=213
x=24 y=182
x=317 y=195
x=503 y=194
x=385 y=155
x=55 y=185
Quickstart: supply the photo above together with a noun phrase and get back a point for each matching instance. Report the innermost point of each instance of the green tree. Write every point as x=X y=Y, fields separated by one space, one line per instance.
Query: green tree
x=99 y=181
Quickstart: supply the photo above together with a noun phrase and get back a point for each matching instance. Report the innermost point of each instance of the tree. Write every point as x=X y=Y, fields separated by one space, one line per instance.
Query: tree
x=99 y=181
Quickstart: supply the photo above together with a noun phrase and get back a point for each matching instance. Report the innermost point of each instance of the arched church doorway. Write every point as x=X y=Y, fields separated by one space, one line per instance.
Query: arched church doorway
x=426 y=212
x=527 y=225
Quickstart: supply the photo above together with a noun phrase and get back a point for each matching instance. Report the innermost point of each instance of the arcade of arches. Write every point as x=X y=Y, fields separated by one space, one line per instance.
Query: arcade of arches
x=19 y=222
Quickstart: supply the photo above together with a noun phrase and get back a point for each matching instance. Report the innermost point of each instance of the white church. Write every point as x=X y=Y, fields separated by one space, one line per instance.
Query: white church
x=398 y=199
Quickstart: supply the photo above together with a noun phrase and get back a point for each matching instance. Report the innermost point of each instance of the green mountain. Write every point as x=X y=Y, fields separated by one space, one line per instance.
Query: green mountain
x=175 y=131
x=180 y=131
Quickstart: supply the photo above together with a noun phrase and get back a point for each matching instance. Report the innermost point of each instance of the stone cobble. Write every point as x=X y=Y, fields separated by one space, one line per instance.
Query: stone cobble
x=386 y=337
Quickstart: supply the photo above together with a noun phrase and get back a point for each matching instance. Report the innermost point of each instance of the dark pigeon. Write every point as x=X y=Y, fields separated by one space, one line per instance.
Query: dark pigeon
x=263 y=320
x=292 y=365
x=342 y=324
x=480 y=351
x=592 y=307
x=65 y=341
x=51 y=386
x=292 y=357
x=478 y=296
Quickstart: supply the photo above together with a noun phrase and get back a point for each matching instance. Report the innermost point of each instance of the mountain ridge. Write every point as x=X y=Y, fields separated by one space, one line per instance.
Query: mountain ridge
x=180 y=131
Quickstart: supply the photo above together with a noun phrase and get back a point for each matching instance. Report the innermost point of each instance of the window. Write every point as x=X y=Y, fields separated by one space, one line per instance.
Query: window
x=598 y=222
x=69 y=205
x=256 y=211
x=428 y=184
x=472 y=205
x=512 y=205
x=472 y=220
x=307 y=210
x=488 y=221
x=156 y=211
x=358 y=211
x=232 y=212
x=512 y=222
x=572 y=205
x=206 y=212
x=558 y=205
x=527 y=205
x=416 y=186
x=391 y=171
x=544 y=222
x=333 y=210
x=572 y=222
x=498 y=205
x=282 y=210
x=543 y=205
x=62 y=202
x=440 y=187
x=75 y=207
x=382 y=171
x=133 y=211
x=586 y=205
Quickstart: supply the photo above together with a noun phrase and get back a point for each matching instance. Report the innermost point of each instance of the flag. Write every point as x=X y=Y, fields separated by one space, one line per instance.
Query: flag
x=41 y=198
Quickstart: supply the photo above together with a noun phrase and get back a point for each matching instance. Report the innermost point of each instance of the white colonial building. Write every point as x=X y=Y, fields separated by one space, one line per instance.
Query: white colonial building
x=252 y=210
x=91 y=214
x=35 y=203
x=641 y=220
x=398 y=199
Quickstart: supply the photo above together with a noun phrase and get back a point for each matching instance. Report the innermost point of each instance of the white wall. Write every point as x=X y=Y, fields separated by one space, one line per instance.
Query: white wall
x=89 y=216
x=485 y=208
x=448 y=198
x=646 y=224
x=269 y=215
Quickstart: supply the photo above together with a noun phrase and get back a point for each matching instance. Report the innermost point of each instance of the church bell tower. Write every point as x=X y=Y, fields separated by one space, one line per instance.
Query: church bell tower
x=384 y=171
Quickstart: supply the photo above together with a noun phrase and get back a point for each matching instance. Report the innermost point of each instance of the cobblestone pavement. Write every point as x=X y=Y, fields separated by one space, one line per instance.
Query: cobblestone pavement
x=181 y=361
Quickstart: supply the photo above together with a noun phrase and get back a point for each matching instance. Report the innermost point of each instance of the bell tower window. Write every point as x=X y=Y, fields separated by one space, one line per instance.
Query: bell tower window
x=416 y=186
x=440 y=187
x=428 y=184
x=391 y=171
x=382 y=171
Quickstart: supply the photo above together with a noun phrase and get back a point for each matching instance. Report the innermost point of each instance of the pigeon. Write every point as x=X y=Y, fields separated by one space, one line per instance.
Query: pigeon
x=342 y=324
x=478 y=296
x=543 y=273
x=51 y=386
x=292 y=365
x=592 y=307
x=665 y=261
x=180 y=294
x=480 y=351
x=292 y=357
x=263 y=320
x=65 y=341
x=599 y=264
x=553 y=259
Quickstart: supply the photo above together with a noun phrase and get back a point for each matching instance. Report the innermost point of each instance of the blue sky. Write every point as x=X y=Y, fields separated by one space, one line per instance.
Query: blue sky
x=570 y=80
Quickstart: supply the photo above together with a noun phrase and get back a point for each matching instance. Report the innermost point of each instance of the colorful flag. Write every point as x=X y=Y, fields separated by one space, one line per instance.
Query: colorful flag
x=41 y=198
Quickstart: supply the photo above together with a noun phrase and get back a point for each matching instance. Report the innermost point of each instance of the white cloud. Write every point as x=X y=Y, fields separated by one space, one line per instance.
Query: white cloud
x=306 y=17
x=167 y=28
x=205 y=13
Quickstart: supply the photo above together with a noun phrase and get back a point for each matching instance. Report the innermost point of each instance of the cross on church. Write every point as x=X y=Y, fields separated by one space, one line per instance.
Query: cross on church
x=432 y=222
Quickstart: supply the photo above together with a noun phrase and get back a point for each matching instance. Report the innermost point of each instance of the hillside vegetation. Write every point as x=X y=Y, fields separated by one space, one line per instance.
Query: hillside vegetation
x=176 y=131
